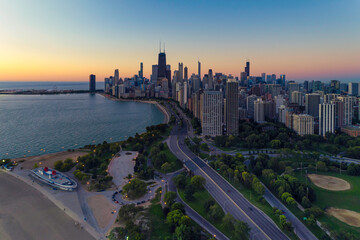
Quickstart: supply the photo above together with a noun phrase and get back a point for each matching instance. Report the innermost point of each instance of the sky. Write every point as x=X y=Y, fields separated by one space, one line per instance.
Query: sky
x=53 y=40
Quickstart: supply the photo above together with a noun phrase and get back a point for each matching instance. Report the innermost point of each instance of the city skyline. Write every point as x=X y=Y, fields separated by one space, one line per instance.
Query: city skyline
x=65 y=41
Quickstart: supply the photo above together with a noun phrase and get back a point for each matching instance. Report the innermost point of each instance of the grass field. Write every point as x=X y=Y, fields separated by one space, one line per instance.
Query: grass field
x=348 y=199
x=160 y=228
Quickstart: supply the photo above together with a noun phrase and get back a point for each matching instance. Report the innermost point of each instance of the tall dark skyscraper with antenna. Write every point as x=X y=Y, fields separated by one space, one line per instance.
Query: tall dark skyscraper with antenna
x=162 y=64
x=247 y=68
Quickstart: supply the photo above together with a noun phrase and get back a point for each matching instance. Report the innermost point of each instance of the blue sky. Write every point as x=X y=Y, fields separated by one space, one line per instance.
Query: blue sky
x=65 y=40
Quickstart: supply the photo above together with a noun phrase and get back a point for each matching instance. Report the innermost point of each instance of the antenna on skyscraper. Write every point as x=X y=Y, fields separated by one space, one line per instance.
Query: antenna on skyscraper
x=164 y=47
x=160 y=46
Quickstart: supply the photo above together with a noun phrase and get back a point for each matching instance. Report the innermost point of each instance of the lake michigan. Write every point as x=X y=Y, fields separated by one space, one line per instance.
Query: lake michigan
x=40 y=124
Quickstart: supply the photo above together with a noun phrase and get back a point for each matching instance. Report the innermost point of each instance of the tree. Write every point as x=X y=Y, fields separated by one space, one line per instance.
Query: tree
x=208 y=203
x=166 y=167
x=58 y=165
x=284 y=196
x=189 y=191
x=353 y=152
x=247 y=178
x=176 y=206
x=117 y=233
x=353 y=169
x=321 y=166
x=169 y=198
x=242 y=230
x=228 y=222
x=216 y=213
x=135 y=188
x=204 y=147
x=257 y=186
x=276 y=144
x=291 y=201
x=184 y=232
x=180 y=181
x=305 y=202
x=285 y=225
x=198 y=182
x=174 y=217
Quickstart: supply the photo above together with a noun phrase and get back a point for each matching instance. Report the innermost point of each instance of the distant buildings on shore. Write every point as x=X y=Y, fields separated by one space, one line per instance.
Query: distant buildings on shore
x=219 y=101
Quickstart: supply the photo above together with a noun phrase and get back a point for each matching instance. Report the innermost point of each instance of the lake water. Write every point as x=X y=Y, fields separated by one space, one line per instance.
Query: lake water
x=48 y=85
x=39 y=124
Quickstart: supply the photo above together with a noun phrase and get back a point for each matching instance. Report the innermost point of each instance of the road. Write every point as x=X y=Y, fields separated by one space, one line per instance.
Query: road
x=193 y=214
x=232 y=201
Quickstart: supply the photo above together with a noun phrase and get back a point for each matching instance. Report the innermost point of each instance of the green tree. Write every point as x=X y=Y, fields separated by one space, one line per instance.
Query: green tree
x=216 y=213
x=180 y=181
x=135 y=188
x=321 y=166
x=166 y=167
x=58 y=165
x=169 y=198
x=198 y=182
x=228 y=222
x=305 y=202
x=174 y=217
x=242 y=230
x=276 y=144
x=284 y=196
x=183 y=232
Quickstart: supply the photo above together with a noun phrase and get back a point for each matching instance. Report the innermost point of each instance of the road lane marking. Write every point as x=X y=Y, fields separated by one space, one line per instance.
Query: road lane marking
x=177 y=142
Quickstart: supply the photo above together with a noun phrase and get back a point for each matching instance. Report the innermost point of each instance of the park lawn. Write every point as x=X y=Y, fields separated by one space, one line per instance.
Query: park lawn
x=160 y=228
x=197 y=204
x=348 y=199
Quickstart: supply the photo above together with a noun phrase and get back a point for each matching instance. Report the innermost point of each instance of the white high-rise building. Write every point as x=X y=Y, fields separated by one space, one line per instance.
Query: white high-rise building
x=212 y=113
x=296 y=97
x=282 y=114
x=250 y=105
x=326 y=118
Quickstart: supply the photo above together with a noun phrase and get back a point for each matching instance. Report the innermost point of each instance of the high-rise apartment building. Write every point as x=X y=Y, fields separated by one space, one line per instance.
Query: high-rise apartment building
x=154 y=74
x=259 y=111
x=297 y=98
x=293 y=87
x=326 y=118
x=250 y=100
x=303 y=124
x=92 y=83
x=232 y=107
x=199 y=70
x=212 y=113
x=312 y=102
x=116 y=77
x=354 y=89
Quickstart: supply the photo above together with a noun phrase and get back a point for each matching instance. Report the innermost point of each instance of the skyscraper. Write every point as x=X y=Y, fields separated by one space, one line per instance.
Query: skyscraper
x=326 y=118
x=186 y=77
x=211 y=113
x=181 y=72
x=116 y=77
x=199 y=70
x=354 y=89
x=92 y=83
x=247 y=68
x=154 y=74
x=161 y=65
x=293 y=87
x=282 y=79
x=312 y=102
x=232 y=107
x=141 y=72
x=259 y=111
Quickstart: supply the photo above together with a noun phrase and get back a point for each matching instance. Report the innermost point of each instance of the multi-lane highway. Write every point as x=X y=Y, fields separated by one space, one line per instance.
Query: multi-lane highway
x=232 y=201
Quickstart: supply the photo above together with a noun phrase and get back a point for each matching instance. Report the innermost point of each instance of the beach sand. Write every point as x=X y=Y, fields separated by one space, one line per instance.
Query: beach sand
x=49 y=159
x=27 y=214
x=101 y=208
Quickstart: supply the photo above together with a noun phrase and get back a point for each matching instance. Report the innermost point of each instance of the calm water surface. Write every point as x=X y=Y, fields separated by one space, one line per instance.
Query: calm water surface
x=38 y=124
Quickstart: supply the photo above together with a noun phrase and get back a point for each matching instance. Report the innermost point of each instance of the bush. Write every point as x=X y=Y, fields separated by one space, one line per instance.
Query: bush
x=135 y=188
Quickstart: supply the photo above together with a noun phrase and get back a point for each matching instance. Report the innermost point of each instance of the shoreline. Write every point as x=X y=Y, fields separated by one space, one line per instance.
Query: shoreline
x=159 y=106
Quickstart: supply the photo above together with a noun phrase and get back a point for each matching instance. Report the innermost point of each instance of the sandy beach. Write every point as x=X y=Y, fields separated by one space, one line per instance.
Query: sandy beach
x=101 y=208
x=49 y=159
x=27 y=214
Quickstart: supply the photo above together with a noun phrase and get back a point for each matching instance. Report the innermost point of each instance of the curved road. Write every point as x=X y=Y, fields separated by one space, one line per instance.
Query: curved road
x=232 y=201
